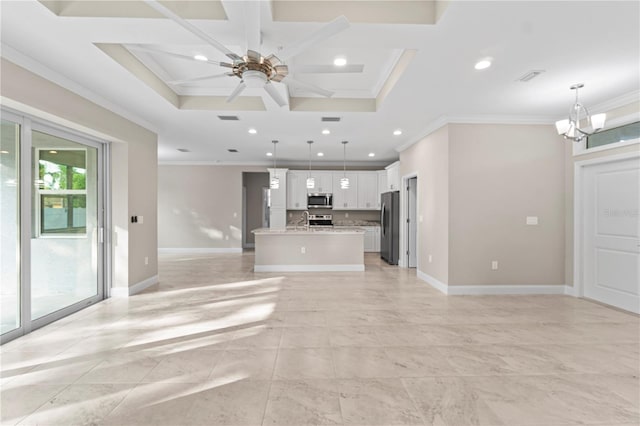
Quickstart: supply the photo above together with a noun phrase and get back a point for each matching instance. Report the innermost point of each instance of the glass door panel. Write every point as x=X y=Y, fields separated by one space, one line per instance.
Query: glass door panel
x=9 y=227
x=65 y=227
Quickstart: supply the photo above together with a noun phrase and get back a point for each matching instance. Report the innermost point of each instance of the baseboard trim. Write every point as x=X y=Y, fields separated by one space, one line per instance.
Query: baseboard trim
x=433 y=282
x=200 y=250
x=134 y=289
x=308 y=268
x=460 y=290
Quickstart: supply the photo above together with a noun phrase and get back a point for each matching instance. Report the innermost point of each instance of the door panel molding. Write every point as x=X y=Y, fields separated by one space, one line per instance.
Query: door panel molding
x=580 y=221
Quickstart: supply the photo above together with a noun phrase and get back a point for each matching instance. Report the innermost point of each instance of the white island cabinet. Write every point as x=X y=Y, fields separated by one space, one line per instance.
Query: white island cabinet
x=309 y=250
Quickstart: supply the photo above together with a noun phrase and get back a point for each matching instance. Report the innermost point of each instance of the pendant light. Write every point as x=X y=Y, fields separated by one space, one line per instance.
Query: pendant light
x=311 y=182
x=275 y=182
x=344 y=182
x=570 y=127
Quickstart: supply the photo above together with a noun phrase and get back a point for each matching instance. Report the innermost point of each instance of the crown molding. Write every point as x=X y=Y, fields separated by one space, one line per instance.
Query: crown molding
x=443 y=120
x=616 y=102
x=293 y=165
x=47 y=73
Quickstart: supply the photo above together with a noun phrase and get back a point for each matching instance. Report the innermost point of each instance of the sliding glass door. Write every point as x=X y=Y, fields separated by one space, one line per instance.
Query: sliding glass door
x=9 y=227
x=51 y=223
x=65 y=243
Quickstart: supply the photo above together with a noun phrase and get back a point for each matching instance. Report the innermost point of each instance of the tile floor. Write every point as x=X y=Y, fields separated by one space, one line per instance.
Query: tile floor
x=216 y=344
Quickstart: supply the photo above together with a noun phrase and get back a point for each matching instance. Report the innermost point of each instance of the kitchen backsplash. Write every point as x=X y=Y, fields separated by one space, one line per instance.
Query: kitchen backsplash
x=355 y=217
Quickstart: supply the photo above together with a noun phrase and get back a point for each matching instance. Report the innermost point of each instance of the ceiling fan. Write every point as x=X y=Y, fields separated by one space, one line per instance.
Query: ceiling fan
x=253 y=69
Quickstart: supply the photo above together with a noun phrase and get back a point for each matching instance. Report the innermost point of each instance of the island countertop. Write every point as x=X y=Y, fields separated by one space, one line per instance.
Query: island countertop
x=305 y=250
x=310 y=231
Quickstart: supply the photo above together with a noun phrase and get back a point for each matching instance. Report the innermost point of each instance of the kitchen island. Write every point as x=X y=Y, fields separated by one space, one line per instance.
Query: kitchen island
x=309 y=249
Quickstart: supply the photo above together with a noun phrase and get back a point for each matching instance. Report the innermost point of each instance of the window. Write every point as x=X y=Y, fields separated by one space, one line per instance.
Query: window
x=62 y=191
x=617 y=134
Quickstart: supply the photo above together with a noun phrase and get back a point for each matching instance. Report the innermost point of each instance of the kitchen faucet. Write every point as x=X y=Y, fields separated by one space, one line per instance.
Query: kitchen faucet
x=305 y=217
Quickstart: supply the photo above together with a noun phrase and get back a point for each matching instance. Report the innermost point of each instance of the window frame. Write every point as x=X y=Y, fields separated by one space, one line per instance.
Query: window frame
x=62 y=192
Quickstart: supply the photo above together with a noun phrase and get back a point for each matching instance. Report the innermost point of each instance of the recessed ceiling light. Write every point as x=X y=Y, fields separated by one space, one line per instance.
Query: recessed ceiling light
x=320 y=154
x=253 y=131
x=340 y=61
x=200 y=58
x=397 y=132
x=372 y=154
x=269 y=154
x=326 y=132
x=483 y=64
x=53 y=152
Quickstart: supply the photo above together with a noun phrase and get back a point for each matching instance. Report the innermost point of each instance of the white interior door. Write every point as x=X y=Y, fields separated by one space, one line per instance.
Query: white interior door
x=611 y=233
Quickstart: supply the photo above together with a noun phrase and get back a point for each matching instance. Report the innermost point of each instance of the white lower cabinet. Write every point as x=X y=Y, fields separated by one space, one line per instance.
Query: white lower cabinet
x=371 y=238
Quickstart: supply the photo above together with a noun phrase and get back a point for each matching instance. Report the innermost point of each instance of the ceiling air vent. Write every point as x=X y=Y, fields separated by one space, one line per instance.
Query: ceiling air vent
x=530 y=75
x=228 y=117
x=183 y=150
x=232 y=150
x=330 y=119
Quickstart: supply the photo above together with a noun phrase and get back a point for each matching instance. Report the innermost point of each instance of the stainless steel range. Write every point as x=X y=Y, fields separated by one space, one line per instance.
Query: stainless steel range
x=321 y=220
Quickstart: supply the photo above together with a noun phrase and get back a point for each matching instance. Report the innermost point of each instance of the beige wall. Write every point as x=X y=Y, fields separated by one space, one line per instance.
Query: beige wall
x=200 y=206
x=134 y=162
x=499 y=175
x=429 y=158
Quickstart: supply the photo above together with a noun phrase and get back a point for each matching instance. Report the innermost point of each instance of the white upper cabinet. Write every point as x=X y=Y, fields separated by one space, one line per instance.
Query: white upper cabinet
x=368 y=195
x=296 y=190
x=345 y=199
x=393 y=176
x=323 y=182
x=382 y=183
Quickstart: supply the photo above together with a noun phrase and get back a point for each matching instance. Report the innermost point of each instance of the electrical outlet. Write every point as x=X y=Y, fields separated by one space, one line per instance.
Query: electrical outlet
x=494 y=265
x=140 y=219
x=430 y=258
x=532 y=220
x=146 y=260
x=303 y=250
x=346 y=215
x=420 y=218
x=290 y=215
x=226 y=238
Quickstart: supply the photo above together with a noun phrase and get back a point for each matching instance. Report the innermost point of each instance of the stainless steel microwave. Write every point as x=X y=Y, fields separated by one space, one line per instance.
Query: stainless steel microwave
x=320 y=201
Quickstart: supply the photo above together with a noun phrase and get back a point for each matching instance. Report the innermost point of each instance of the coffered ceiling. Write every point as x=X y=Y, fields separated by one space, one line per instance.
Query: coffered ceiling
x=410 y=63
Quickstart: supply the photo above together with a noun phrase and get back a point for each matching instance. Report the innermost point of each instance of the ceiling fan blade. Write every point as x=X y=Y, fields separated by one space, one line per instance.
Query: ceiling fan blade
x=173 y=55
x=167 y=13
x=251 y=11
x=306 y=86
x=329 y=69
x=196 y=79
x=239 y=88
x=273 y=92
x=339 y=24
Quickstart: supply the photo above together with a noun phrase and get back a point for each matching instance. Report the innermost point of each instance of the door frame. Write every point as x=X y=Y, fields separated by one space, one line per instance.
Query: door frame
x=402 y=258
x=579 y=248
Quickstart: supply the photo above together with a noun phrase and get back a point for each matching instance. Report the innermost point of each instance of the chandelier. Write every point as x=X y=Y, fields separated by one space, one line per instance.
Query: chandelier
x=570 y=127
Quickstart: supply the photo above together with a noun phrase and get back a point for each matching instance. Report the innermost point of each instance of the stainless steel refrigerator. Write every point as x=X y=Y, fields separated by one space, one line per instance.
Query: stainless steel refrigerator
x=390 y=227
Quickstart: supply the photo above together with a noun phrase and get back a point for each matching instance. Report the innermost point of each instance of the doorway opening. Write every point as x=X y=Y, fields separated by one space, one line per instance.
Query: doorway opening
x=255 y=205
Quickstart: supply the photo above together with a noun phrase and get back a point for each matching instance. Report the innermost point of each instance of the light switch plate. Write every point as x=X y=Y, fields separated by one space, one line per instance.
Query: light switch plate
x=532 y=220
x=140 y=219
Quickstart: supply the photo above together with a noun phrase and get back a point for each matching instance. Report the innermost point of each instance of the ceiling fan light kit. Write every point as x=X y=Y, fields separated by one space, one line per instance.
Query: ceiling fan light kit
x=254 y=70
x=570 y=128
